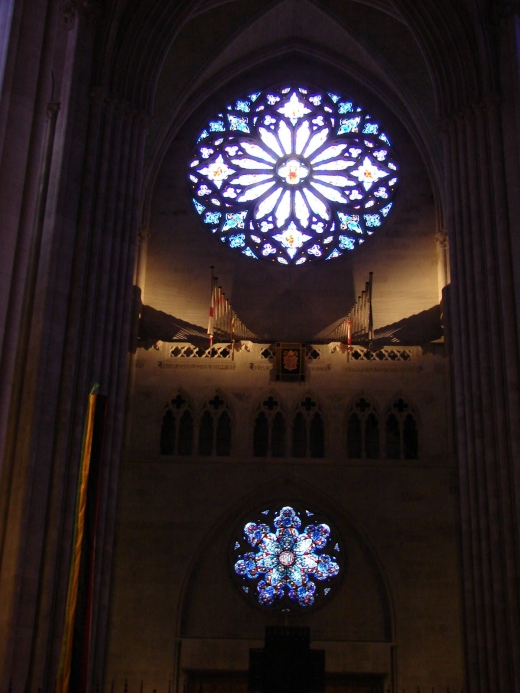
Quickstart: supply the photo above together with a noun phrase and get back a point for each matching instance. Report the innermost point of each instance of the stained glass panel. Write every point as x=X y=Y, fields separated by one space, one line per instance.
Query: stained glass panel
x=295 y=164
x=288 y=565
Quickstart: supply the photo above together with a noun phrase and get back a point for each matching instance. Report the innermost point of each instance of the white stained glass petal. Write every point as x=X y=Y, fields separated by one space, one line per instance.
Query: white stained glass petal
x=270 y=141
x=339 y=165
x=316 y=141
x=302 y=136
x=284 y=209
x=285 y=137
x=300 y=208
x=255 y=150
x=317 y=206
x=267 y=205
x=252 y=164
x=250 y=178
x=330 y=193
x=329 y=153
x=339 y=181
x=255 y=192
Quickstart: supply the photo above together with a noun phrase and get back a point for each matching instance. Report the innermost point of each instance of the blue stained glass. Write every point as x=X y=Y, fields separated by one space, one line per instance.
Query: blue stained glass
x=200 y=208
x=349 y=125
x=237 y=241
x=237 y=545
x=335 y=253
x=246 y=589
x=234 y=220
x=265 y=512
x=345 y=107
x=350 y=222
x=308 y=513
x=383 y=137
x=346 y=243
x=315 y=250
x=237 y=123
x=287 y=562
x=386 y=209
x=372 y=219
x=212 y=217
x=249 y=161
x=370 y=129
x=326 y=590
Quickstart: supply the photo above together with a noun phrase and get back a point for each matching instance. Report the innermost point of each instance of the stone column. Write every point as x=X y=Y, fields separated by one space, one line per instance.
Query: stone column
x=485 y=359
x=74 y=332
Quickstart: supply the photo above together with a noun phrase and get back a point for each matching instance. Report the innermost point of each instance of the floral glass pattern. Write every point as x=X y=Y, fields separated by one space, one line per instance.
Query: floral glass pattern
x=293 y=175
x=287 y=562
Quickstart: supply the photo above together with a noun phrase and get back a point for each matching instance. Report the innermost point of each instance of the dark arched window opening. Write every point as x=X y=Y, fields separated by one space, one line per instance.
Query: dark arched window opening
x=299 y=436
x=261 y=436
x=308 y=430
x=168 y=434
x=216 y=429
x=410 y=443
x=402 y=439
x=317 y=436
x=186 y=433
x=269 y=438
x=278 y=436
x=206 y=434
x=223 y=443
x=363 y=431
x=354 y=437
x=177 y=428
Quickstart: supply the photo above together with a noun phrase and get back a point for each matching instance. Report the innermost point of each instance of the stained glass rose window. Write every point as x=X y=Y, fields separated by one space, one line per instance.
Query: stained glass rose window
x=286 y=566
x=293 y=175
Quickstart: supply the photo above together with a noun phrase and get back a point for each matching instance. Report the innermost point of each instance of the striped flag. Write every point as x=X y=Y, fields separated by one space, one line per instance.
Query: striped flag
x=73 y=669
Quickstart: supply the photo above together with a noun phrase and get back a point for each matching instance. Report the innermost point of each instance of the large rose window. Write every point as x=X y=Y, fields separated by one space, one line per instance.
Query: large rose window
x=293 y=175
x=288 y=566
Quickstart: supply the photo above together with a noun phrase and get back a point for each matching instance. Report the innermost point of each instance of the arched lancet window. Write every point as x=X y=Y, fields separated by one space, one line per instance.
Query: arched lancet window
x=402 y=440
x=177 y=427
x=269 y=435
x=215 y=429
x=362 y=431
x=308 y=432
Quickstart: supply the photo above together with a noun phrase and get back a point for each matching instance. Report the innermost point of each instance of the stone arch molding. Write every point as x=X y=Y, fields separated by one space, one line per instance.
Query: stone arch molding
x=151 y=30
x=211 y=606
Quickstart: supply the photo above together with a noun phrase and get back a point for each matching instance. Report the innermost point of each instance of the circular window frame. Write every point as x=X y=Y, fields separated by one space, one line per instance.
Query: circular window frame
x=266 y=514
x=369 y=173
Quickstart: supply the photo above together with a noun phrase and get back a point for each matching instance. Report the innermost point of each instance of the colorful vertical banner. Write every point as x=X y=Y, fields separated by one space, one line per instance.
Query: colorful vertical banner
x=73 y=669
